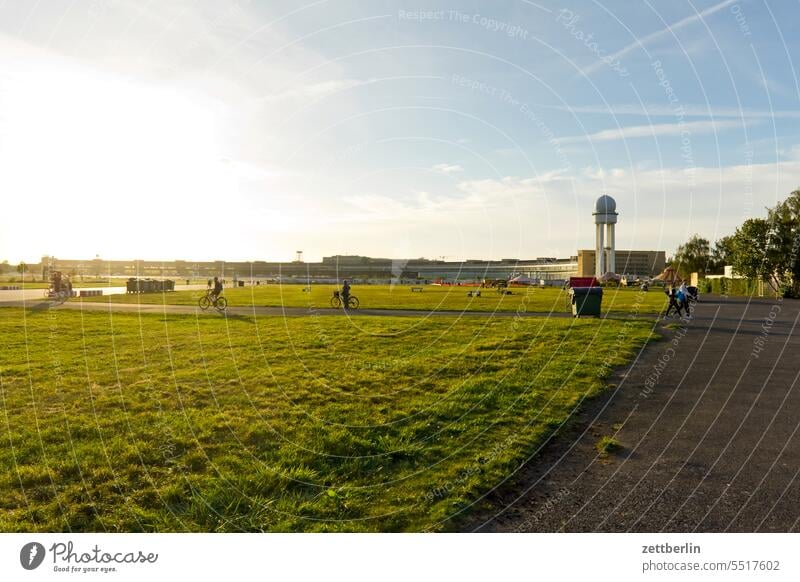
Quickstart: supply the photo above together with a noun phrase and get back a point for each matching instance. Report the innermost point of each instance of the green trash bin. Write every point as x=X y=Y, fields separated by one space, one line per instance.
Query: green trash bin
x=586 y=300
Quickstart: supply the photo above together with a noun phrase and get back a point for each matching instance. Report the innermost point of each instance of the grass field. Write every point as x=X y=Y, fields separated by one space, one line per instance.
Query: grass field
x=433 y=298
x=122 y=422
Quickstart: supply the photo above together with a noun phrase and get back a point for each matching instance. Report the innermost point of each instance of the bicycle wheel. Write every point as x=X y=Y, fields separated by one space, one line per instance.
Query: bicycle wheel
x=336 y=303
x=353 y=302
x=222 y=304
x=204 y=302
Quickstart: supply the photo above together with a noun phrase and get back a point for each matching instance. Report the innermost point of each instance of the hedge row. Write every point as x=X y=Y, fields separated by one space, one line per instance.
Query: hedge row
x=725 y=286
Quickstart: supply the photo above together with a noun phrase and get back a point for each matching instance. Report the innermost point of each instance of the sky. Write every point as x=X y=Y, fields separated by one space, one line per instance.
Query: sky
x=249 y=130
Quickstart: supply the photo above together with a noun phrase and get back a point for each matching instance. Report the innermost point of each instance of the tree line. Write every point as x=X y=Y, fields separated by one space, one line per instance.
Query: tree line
x=766 y=249
x=5 y=267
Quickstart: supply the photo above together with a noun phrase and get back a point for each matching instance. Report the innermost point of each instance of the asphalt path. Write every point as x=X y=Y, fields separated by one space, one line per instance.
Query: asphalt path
x=708 y=419
x=260 y=310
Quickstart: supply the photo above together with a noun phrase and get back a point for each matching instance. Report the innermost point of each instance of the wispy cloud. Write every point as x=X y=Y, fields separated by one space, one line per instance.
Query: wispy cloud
x=655 y=110
x=655 y=130
x=318 y=90
x=653 y=36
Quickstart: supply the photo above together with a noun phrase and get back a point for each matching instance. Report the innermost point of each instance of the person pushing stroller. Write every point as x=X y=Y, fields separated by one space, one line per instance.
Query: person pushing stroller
x=679 y=301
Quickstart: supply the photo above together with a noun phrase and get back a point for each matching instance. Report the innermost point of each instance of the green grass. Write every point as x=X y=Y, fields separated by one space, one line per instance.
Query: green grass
x=122 y=422
x=400 y=297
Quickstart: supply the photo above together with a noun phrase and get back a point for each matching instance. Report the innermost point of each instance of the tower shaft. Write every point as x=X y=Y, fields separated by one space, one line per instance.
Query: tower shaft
x=600 y=254
x=611 y=260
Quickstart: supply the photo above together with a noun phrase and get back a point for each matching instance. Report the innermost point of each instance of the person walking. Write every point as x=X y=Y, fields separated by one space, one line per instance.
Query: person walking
x=683 y=297
x=672 y=294
x=345 y=294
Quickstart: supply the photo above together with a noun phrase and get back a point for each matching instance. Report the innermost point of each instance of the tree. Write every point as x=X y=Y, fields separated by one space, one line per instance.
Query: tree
x=21 y=268
x=784 y=220
x=754 y=253
x=694 y=255
x=766 y=249
x=722 y=254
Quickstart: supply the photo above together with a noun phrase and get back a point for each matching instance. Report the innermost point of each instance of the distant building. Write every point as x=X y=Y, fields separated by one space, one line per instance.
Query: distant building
x=642 y=263
x=638 y=263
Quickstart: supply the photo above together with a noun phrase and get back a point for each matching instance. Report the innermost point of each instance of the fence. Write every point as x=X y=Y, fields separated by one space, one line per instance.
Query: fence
x=149 y=285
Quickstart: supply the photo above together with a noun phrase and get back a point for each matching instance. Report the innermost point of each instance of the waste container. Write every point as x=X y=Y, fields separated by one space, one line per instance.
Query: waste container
x=586 y=300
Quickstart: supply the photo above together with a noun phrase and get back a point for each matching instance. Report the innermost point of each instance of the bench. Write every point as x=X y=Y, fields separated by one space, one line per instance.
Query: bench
x=416 y=289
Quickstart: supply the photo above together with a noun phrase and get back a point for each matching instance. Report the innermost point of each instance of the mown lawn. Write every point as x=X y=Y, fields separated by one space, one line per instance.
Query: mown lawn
x=122 y=422
x=432 y=298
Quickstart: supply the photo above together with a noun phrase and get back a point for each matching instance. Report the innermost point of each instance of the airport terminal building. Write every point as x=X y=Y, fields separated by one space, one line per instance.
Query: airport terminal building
x=631 y=263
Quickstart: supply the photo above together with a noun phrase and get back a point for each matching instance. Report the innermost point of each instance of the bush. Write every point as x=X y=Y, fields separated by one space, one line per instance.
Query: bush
x=607 y=445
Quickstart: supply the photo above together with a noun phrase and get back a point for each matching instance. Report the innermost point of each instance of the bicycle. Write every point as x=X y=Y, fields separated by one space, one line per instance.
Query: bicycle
x=336 y=301
x=58 y=297
x=220 y=303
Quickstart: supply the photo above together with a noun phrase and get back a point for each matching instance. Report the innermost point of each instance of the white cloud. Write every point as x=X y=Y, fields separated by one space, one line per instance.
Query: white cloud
x=659 y=208
x=447 y=168
x=654 y=130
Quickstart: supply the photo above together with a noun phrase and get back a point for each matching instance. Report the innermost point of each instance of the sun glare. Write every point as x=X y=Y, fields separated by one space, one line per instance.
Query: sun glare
x=133 y=159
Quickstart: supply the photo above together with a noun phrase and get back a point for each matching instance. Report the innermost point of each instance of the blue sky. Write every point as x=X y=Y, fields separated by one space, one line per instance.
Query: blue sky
x=462 y=129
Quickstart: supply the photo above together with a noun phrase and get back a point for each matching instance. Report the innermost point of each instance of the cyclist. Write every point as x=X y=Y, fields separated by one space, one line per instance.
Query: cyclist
x=345 y=293
x=216 y=291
